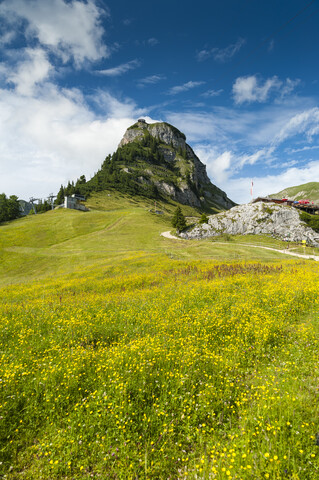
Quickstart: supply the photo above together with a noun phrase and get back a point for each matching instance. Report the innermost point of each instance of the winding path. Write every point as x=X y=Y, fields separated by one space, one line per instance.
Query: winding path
x=169 y=235
x=285 y=252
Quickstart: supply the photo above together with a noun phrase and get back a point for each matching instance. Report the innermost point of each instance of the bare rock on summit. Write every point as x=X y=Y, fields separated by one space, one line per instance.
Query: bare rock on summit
x=257 y=218
x=186 y=181
x=162 y=131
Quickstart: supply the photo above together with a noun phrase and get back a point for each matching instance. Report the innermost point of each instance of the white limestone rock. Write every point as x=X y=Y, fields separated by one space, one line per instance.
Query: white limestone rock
x=257 y=218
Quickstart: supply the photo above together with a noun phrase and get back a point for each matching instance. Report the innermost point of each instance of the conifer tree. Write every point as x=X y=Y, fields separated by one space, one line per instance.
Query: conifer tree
x=178 y=220
x=203 y=218
x=60 y=196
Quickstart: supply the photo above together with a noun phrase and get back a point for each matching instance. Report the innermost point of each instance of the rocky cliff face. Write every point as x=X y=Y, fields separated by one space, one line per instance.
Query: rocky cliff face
x=162 y=131
x=257 y=218
x=190 y=184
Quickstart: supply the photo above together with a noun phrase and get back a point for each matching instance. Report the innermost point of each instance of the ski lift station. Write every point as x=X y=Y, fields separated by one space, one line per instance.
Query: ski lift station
x=74 y=202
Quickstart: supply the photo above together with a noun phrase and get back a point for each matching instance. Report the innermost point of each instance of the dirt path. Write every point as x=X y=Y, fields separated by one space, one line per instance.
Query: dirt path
x=169 y=235
x=285 y=252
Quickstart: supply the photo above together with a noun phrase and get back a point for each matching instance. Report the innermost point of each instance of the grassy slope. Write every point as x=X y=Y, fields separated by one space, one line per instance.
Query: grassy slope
x=116 y=228
x=308 y=191
x=126 y=355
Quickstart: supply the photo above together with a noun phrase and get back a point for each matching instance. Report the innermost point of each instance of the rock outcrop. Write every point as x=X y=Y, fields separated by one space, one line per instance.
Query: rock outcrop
x=188 y=182
x=164 y=132
x=257 y=218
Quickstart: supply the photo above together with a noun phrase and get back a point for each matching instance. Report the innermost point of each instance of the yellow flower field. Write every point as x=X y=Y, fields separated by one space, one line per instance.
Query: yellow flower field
x=199 y=370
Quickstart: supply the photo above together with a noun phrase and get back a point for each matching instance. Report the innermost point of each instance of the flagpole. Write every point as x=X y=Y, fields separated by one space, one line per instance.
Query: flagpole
x=251 y=189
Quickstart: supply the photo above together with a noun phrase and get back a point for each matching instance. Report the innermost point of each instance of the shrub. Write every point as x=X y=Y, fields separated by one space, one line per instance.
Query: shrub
x=311 y=220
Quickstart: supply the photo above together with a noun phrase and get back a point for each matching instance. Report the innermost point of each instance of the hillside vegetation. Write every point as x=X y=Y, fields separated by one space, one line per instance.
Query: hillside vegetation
x=308 y=191
x=125 y=355
x=118 y=226
x=154 y=161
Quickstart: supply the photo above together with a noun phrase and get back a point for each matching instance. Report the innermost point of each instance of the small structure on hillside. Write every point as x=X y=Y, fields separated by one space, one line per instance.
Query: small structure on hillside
x=278 y=201
x=51 y=198
x=303 y=205
x=74 y=202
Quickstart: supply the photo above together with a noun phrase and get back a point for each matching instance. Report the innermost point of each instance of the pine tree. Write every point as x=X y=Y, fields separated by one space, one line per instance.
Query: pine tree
x=178 y=220
x=81 y=180
x=203 y=218
x=70 y=189
x=79 y=185
x=43 y=207
x=60 y=197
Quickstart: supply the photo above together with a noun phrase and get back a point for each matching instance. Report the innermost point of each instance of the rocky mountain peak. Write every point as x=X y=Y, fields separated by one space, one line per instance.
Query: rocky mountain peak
x=162 y=131
x=185 y=179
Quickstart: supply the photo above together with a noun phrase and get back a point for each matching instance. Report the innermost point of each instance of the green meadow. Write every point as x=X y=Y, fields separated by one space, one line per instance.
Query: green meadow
x=127 y=355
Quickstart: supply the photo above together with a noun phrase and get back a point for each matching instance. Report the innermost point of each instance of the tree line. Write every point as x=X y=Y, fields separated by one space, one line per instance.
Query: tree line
x=115 y=172
x=9 y=208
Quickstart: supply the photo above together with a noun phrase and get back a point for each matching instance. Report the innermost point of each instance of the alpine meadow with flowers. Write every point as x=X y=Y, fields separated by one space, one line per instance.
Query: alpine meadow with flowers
x=126 y=354
x=153 y=358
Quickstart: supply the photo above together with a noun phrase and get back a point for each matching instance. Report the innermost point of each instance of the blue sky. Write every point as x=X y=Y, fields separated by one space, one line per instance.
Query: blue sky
x=238 y=77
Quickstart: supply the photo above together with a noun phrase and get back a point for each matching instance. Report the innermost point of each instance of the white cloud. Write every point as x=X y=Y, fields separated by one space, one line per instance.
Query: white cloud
x=249 y=130
x=224 y=125
x=219 y=165
x=289 y=86
x=7 y=38
x=271 y=45
x=198 y=127
x=302 y=149
x=306 y=122
x=184 y=87
x=115 y=108
x=238 y=189
x=55 y=137
x=231 y=133
x=247 y=89
x=263 y=154
x=212 y=93
x=221 y=54
x=251 y=89
x=225 y=54
x=152 y=41
x=203 y=54
x=120 y=69
x=223 y=167
x=33 y=70
x=151 y=80
x=69 y=29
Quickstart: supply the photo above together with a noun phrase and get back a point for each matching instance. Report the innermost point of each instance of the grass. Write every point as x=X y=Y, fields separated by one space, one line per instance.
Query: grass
x=117 y=227
x=125 y=355
x=305 y=191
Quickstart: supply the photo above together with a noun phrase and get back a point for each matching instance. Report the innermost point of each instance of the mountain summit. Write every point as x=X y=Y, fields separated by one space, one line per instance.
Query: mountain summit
x=172 y=166
x=154 y=160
